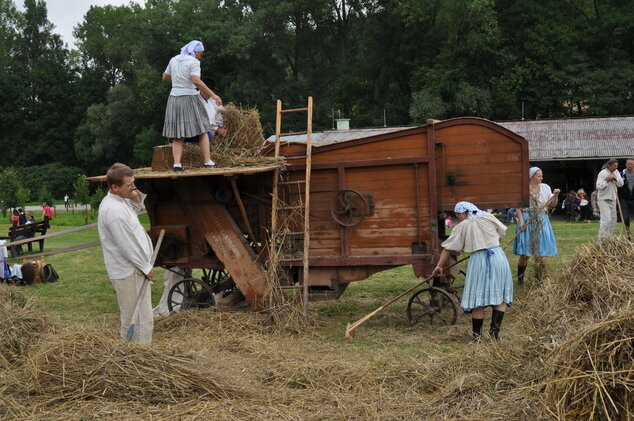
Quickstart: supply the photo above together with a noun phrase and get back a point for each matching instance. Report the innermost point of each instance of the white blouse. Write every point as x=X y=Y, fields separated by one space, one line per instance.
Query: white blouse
x=476 y=234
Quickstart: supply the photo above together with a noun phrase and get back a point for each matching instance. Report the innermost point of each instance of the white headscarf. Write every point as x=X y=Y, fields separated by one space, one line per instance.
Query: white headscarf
x=471 y=209
x=191 y=48
x=532 y=171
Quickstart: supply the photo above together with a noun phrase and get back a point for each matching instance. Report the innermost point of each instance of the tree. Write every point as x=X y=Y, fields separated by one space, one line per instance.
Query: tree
x=23 y=196
x=82 y=193
x=9 y=186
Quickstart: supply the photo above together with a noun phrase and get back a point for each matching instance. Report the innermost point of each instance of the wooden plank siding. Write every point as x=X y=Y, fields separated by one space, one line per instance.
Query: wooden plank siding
x=481 y=163
x=411 y=175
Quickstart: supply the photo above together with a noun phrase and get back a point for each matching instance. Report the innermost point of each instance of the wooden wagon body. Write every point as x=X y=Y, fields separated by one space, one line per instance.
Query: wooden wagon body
x=408 y=179
x=398 y=183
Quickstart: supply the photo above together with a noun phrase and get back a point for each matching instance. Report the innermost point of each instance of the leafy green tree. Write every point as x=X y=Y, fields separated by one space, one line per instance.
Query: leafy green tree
x=96 y=198
x=23 y=196
x=45 y=195
x=82 y=193
x=9 y=186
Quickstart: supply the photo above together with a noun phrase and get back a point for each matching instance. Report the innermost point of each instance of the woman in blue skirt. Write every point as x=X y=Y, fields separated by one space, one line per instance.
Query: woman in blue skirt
x=488 y=282
x=536 y=237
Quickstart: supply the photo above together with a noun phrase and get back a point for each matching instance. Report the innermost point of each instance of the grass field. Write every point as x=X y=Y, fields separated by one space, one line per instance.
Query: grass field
x=390 y=371
x=84 y=292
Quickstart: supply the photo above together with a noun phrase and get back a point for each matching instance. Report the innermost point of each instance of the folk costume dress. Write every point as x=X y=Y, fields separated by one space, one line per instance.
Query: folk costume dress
x=538 y=238
x=185 y=115
x=488 y=281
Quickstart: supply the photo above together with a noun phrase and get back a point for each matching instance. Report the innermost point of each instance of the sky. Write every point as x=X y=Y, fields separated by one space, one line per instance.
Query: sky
x=66 y=14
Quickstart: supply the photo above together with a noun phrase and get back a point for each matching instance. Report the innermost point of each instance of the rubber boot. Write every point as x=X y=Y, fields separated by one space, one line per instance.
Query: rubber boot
x=476 y=325
x=496 y=323
x=520 y=274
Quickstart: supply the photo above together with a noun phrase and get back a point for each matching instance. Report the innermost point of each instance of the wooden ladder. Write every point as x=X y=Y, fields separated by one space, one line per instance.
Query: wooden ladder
x=282 y=189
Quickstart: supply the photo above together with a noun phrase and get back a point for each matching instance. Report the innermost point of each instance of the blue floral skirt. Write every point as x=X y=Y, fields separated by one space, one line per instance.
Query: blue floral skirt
x=489 y=281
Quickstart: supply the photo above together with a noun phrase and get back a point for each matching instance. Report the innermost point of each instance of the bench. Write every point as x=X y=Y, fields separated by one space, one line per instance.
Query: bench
x=19 y=232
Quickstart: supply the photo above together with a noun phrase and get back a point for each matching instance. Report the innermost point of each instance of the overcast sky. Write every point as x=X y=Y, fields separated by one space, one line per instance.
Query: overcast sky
x=66 y=14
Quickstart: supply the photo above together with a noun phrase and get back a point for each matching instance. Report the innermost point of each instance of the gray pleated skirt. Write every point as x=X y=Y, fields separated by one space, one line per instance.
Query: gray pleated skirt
x=185 y=116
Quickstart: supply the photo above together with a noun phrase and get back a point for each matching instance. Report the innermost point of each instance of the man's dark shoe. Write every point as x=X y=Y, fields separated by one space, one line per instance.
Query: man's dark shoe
x=178 y=169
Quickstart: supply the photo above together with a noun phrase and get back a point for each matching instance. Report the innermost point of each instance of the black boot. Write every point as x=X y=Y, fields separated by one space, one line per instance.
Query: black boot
x=496 y=323
x=476 y=325
x=520 y=274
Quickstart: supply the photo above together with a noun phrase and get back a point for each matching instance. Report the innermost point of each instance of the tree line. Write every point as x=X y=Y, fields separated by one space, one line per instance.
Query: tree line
x=375 y=61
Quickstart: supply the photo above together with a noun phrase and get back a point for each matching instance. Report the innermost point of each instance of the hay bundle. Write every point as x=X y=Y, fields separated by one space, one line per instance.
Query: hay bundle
x=602 y=275
x=81 y=363
x=593 y=372
x=244 y=131
x=22 y=323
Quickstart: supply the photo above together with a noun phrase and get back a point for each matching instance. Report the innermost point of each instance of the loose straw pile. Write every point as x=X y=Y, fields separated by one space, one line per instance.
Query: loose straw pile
x=240 y=146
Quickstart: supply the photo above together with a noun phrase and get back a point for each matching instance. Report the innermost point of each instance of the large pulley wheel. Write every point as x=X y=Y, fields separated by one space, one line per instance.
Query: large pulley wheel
x=348 y=208
x=435 y=305
x=188 y=294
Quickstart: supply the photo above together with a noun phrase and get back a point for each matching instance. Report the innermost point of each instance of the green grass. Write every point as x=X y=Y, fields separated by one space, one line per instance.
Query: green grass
x=84 y=292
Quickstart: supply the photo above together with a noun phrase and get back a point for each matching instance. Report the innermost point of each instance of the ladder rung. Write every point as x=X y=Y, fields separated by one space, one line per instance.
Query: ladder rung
x=289 y=287
x=294 y=233
x=293 y=110
x=291 y=182
x=296 y=157
x=291 y=207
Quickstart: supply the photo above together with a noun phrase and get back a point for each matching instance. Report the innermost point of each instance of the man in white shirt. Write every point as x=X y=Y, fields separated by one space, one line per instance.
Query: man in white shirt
x=608 y=181
x=127 y=250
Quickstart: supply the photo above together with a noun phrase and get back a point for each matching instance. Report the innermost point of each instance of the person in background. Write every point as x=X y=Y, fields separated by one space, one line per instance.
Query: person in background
x=488 y=282
x=185 y=115
x=626 y=192
x=537 y=238
x=127 y=250
x=47 y=211
x=22 y=216
x=608 y=181
x=583 y=206
x=66 y=202
x=15 y=217
x=595 y=205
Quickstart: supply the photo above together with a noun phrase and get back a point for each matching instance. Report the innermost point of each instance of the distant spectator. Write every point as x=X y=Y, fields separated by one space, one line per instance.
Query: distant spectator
x=626 y=192
x=66 y=201
x=15 y=217
x=47 y=211
x=583 y=205
x=22 y=216
x=595 y=205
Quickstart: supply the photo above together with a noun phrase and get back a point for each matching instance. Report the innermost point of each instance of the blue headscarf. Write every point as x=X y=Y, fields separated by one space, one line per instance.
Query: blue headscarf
x=471 y=209
x=191 y=48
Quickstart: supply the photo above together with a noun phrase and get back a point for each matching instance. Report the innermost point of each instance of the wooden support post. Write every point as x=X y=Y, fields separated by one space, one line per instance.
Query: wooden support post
x=309 y=146
x=243 y=212
x=276 y=173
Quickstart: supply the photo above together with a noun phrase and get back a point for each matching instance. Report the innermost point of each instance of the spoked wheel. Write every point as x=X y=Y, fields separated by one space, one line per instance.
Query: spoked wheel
x=434 y=305
x=190 y=293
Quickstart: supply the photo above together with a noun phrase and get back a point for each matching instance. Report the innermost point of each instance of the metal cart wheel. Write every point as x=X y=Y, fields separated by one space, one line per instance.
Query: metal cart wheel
x=190 y=293
x=435 y=304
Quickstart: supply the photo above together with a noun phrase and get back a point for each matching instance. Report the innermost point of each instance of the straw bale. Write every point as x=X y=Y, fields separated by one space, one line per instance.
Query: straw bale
x=593 y=372
x=244 y=130
x=601 y=275
x=85 y=362
x=23 y=322
x=240 y=146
